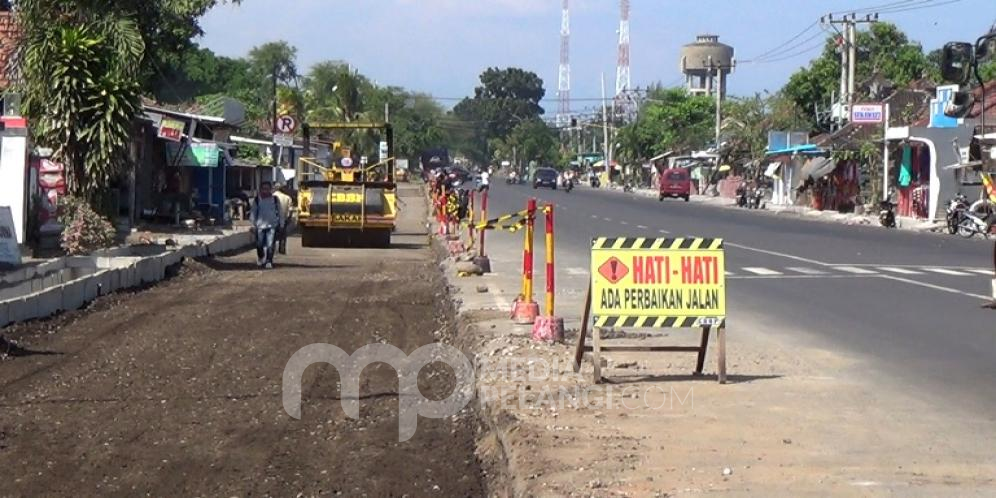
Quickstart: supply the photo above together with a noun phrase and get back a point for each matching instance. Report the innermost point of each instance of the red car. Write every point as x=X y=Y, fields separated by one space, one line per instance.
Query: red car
x=675 y=182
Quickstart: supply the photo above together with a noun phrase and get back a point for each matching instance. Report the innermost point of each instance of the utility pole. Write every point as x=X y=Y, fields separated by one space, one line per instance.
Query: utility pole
x=716 y=70
x=606 y=151
x=275 y=150
x=848 y=55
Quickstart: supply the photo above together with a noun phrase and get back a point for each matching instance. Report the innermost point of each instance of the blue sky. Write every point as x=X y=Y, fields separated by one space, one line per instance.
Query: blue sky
x=441 y=46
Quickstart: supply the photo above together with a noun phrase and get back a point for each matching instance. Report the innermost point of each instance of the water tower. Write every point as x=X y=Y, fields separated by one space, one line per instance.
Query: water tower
x=705 y=64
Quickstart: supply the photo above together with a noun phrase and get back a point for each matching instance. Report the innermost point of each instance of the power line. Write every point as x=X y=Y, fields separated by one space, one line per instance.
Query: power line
x=786 y=42
x=780 y=53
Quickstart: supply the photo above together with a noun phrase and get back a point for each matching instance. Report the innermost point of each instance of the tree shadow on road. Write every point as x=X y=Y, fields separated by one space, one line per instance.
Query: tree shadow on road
x=730 y=379
x=222 y=265
x=11 y=349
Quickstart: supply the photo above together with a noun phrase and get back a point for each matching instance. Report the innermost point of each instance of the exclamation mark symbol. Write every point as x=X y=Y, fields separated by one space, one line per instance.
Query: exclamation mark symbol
x=614 y=263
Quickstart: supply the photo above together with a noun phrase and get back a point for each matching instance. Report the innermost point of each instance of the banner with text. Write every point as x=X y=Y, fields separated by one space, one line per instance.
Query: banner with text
x=658 y=282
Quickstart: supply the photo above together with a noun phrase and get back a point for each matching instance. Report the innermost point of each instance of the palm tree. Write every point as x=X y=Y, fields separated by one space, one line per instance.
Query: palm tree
x=79 y=77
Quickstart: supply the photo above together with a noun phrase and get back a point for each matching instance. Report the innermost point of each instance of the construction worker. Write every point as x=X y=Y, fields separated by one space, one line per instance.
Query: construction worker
x=285 y=216
x=266 y=222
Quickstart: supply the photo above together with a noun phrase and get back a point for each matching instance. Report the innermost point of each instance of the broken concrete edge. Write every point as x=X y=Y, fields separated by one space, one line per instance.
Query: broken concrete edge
x=495 y=449
x=112 y=273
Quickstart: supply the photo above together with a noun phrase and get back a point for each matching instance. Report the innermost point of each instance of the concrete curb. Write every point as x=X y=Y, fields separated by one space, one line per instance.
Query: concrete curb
x=69 y=283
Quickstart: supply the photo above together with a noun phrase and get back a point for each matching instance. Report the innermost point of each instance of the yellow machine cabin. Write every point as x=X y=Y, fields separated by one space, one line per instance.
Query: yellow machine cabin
x=345 y=202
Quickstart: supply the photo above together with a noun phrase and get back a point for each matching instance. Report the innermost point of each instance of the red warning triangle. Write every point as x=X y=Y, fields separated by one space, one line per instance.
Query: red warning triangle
x=613 y=270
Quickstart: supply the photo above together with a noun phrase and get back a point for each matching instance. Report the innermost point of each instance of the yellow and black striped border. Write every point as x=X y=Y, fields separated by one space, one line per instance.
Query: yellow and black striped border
x=659 y=322
x=686 y=243
x=497 y=223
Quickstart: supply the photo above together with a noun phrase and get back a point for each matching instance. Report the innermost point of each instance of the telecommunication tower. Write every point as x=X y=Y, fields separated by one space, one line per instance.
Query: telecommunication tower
x=564 y=83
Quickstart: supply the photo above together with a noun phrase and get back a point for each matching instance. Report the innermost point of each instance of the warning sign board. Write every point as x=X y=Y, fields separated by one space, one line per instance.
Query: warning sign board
x=650 y=282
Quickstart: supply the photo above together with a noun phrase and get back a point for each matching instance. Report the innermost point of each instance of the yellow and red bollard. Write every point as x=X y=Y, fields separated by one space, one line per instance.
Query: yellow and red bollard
x=482 y=260
x=525 y=310
x=548 y=327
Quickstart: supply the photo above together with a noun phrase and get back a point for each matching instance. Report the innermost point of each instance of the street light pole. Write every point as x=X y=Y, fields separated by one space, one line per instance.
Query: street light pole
x=273 y=123
x=606 y=151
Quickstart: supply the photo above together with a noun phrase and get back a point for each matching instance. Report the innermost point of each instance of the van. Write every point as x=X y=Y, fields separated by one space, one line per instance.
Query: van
x=675 y=182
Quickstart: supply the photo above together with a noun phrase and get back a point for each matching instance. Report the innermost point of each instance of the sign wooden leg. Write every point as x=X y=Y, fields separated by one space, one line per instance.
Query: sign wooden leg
x=721 y=335
x=585 y=318
x=596 y=353
x=700 y=363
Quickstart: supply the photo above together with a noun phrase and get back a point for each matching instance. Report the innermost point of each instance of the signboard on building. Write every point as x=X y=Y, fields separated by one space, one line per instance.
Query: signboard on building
x=867 y=113
x=937 y=118
x=283 y=140
x=171 y=129
x=647 y=282
x=194 y=155
x=383 y=151
x=10 y=252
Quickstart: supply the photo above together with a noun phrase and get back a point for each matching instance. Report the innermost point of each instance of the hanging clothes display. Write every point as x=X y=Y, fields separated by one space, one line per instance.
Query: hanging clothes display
x=906 y=167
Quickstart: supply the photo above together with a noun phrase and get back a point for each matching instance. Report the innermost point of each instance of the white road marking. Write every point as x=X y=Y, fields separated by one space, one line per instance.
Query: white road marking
x=797 y=277
x=642 y=227
x=936 y=287
x=987 y=273
x=624 y=222
x=607 y=219
x=901 y=271
x=665 y=232
x=594 y=216
x=762 y=271
x=779 y=254
x=945 y=271
x=576 y=270
x=730 y=274
x=806 y=271
x=855 y=269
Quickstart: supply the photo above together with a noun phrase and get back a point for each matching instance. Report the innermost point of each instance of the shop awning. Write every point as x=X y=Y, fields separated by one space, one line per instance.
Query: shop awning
x=817 y=168
x=796 y=149
x=772 y=169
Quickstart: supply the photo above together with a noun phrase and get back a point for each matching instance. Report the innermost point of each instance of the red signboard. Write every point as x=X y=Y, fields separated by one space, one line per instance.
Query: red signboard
x=171 y=129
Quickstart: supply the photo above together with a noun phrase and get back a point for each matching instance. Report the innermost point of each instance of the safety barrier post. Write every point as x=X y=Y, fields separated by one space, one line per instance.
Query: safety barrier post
x=482 y=260
x=527 y=251
x=525 y=310
x=548 y=327
x=549 y=259
x=470 y=212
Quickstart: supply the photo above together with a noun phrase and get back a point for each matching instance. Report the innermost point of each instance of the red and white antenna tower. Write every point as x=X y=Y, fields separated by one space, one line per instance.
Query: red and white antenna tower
x=622 y=65
x=564 y=83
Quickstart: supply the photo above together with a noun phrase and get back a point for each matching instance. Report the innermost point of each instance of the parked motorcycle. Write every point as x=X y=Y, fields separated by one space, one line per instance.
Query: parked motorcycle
x=742 y=196
x=756 y=199
x=627 y=187
x=887 y=214
x=955 y=211
x=976 y=222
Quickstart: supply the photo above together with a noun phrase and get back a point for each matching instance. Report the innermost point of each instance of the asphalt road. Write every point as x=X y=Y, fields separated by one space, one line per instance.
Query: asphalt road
x=906 y=303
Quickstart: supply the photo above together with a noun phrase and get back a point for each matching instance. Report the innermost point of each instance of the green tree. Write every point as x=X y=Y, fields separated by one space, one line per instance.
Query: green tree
x=82 y=66
x=883 y=49
x=200 y=72
x=670 y=119
x=334 y=92
x=505 y=99
x=78 y=74
x=748 y=120
x=533 y=140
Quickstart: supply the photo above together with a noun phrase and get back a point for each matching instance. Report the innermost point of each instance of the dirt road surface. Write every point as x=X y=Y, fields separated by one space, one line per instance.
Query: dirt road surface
x=176 y=390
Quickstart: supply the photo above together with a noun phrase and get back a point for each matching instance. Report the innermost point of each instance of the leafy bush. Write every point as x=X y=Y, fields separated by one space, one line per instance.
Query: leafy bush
x=84 y=229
